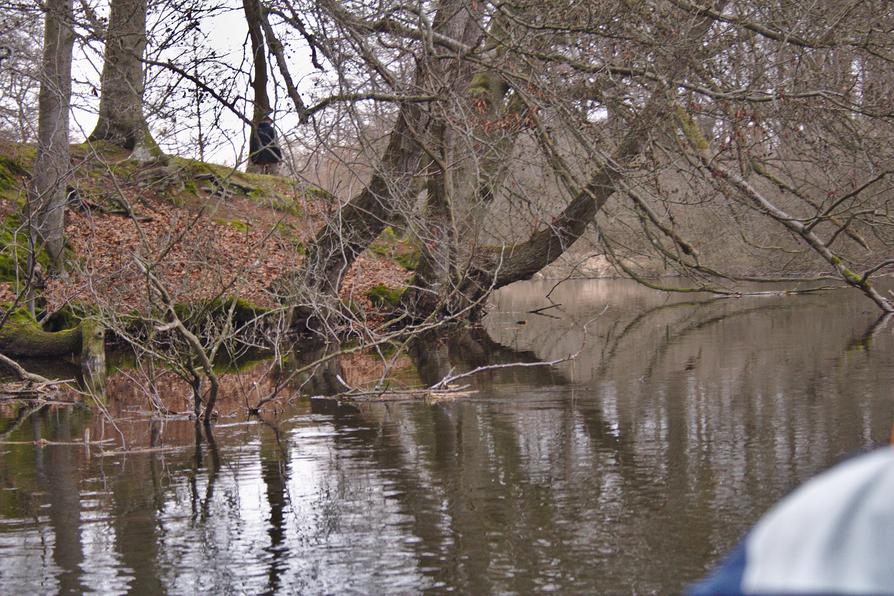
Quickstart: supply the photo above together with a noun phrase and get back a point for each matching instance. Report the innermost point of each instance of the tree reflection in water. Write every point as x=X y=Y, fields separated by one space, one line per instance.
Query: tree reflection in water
x=631 y=468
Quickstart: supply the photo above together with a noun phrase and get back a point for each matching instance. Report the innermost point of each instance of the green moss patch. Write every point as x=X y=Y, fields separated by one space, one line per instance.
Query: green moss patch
x=318 y=194
x=67 y=317
x=382 y=296
x=236 y=224
x=244 y=311
x=21 y=335
x=14 y=250
x=400 y=250
x=10 y=172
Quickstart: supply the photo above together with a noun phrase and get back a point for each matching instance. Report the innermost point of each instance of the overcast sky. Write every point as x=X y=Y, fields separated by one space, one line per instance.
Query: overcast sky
x=227 y=34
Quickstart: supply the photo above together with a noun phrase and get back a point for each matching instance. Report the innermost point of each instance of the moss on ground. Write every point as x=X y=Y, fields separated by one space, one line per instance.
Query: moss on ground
x=318 y=194
x=283 y=204
x=266 y=190
x=244 y=311
x=237 y=224
x=400 y=250
x=14 y=249
x=10 y=172
x=383 y=296
x=67 y=317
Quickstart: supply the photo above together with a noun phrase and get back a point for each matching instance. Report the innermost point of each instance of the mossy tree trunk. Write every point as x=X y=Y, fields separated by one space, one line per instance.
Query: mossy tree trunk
x=22 y=337
x=121 y=119
x=93 y=356
x=47 y=195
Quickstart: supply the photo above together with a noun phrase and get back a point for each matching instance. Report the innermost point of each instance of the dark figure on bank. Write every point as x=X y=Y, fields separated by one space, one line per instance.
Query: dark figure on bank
x=264 y=151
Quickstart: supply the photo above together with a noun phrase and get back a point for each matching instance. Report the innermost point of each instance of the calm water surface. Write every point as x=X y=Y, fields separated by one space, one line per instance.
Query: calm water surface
x=632 y=468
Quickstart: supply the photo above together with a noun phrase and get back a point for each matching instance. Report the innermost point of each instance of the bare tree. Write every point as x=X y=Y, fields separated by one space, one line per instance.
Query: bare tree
x=47 y=196
x=394 y=185
x=20 y=59
x=439 y=146
x=121 y=120
x=722 y=143
x=586 y=99
x=260 y=100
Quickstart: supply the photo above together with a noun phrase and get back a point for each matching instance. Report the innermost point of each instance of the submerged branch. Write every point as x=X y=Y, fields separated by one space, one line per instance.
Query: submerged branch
x=20 y=372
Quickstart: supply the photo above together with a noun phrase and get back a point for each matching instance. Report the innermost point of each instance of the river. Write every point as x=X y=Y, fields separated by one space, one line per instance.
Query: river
x=630 y=468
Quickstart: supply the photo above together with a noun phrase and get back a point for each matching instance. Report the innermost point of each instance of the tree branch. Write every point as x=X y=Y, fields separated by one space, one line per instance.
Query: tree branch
x=700 y=146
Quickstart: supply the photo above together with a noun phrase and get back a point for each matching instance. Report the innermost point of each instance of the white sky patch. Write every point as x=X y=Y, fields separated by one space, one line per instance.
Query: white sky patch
x=226 y=135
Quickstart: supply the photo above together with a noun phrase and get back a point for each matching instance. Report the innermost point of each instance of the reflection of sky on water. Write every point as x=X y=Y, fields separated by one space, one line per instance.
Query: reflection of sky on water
x=630 y=469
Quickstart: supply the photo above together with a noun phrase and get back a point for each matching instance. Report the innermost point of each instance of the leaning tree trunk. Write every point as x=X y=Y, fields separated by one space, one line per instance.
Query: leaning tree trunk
x=22 y=337
x=460 y=194
x=47 y=193
x=121 y=119
x=392 y=187
x=490 y=268
x=261 y=100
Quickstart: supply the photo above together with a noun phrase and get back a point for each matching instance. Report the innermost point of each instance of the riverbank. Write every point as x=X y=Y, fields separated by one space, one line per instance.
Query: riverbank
x=207 y=231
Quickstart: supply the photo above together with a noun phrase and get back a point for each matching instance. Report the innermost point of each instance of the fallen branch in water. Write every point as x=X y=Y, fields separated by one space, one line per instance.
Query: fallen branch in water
x=44 y=392
x=541 y=311
x=402 y=334
x=392 y=395
x=140 y=450
x=451 y=378
x=30 y=387
x=46 y=443
x=20 y=372
x=443 y=383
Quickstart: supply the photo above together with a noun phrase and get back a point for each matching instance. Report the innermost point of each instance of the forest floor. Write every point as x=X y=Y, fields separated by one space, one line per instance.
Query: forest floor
x=206 y=230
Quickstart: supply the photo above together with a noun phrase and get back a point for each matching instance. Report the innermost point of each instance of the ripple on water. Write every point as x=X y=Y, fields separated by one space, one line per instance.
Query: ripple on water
x=630 y=469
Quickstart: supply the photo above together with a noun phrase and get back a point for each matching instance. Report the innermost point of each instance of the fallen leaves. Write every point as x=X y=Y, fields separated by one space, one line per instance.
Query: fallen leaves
x=200 y=248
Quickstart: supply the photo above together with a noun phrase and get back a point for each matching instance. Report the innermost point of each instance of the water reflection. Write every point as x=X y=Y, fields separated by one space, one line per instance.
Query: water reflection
x=57 y=477
x=629 y=469
x=275 y=474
